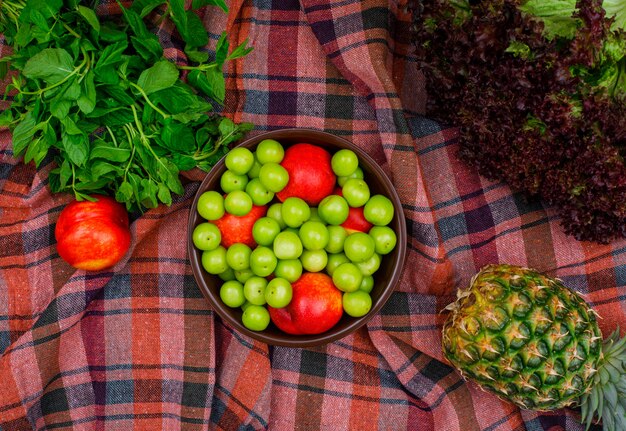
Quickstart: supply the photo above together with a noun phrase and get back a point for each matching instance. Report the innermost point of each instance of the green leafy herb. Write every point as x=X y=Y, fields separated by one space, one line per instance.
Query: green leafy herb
x=97 y=94
x=53 y=65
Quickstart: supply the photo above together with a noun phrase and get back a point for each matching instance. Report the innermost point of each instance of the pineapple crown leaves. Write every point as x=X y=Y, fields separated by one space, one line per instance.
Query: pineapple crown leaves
x=607 y=397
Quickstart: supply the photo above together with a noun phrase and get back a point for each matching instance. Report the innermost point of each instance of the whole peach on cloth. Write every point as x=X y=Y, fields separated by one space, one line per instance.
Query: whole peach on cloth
x=93 y=235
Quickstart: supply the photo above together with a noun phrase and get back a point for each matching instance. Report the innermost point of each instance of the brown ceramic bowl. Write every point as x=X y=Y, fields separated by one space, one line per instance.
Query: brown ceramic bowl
x=385 y=278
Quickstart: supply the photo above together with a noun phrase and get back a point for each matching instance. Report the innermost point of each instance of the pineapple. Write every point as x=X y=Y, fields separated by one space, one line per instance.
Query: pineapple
x=529 y=339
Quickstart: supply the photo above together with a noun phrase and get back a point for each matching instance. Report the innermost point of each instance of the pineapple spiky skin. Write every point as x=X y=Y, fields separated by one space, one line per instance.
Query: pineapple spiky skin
x=524 y=336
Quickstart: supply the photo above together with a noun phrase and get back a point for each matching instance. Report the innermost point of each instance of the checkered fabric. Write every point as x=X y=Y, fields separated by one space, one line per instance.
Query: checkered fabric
x=138 y=348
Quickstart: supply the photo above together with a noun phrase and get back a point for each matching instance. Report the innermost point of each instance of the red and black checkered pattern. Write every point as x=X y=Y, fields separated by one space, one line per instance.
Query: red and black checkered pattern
x=137 y=347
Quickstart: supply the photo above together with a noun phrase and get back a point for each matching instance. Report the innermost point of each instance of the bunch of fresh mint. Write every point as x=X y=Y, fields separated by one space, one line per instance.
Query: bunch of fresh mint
x=97 y=94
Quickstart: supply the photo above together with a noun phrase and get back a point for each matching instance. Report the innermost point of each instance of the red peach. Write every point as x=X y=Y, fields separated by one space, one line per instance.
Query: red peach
x=93 y=235
x=316 y=306
x=311 y=176
x=239 y=228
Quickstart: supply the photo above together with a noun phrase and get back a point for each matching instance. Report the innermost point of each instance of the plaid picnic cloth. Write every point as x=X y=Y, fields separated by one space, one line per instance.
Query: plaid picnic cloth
x=138 y=347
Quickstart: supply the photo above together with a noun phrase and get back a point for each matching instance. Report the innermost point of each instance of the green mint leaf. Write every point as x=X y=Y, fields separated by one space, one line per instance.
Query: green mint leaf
x=90 y=185
x=110 y=153
x=164 y=194
x=107 y=75
x=71 y=90
x=200 y=82
x=178 y=137
x=110 y=33
x=149 y=48
x=168 y=173
x=144 y=7
x=137 y=25
x=70 y=127
x=179 y=16
x=188 y=117
x=90 y=16
x=50 y=135
x=148 y=193
x=118 y=117
x=74 y=47
x=124 y=192
x=162 y=75
x=76 y=146
x=227 y=128
x=82 y=196
x=209 y=162
x=6 y=118
x=144 y=158
x=211 y=83
x=196 y=34
x=183 y=162
x=52 y=65
x=195 y=55
x=32 y=149
x=88 y=45
x=36 y=151
x=101 y=168
x=87 y=100
x=23 y=134
x=111 y=55
x=221 y=49
x=197 y=4
x=148 y=116
x=37 y=9
x=63 y=99
x=232 y=132
x=178 y=99
x=40 y=21
x=244 y=128
x=135 y=182
x=60 y=107
x=203 y=135
x=241 y=51
x=118 y=93
x=65 y=173
x=24 y=35
x=53 y=181
x=217 y=82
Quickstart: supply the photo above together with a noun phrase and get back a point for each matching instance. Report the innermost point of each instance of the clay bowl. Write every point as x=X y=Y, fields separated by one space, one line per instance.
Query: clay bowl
x=385 y=278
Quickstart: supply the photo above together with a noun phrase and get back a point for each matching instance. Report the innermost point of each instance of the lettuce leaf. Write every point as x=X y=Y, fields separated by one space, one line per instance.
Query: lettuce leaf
x=556 y=16
x=616 y=8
